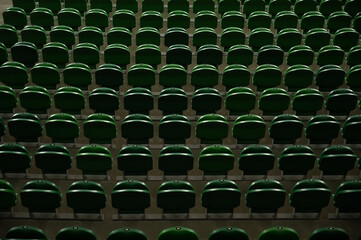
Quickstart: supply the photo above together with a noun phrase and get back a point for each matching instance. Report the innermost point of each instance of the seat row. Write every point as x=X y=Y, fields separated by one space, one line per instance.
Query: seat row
x=126 y=233
x=178 y=160
x=176 y=196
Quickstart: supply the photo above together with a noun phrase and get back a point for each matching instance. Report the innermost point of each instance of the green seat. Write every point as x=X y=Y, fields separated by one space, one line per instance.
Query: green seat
x=210 y=54
x=329 y=233
x=54 y=6
x=206 y=18
x=97 y=18
x=175 y=160
x=346 y=38
x=25 y=127
x=8 y=99
x=330 y=54
x=104 y=100
x=329 y=77
x=288 y=38
x=232 y=36
x=174 y=5
x=135 y=160
x=310 y=196
x=137 y=128
x=203 y=36
x=337 y=160
x=117 y=54
x=285 y=19
x=179 y=54
x=40 y=196
x=216 y=160
x=130 y=196
x=174 y=129
x=259 y=19
x=260 y=37
x=45 y=74
x=175 y=36
x=240 y=54
x=285 y=129
x=176 y=196
x=14 y=74
x=204 y=75
x=249 y=129
x=350 y=129
x=70 y=17
x=352 y=7
x=172 y=101
x=353 y=76
x=120 y=35
x=86 y=53
x=296 y=159
x=78 y=75
x=124 y=18
x=178 y=18
x=327 y=7
x=34 y=34
x=172 y=75
x=235 y=75
x=35 y=99
x=91 y=34
x=141 y=75
x=300 y=54
x=153 y=5
x=148 y=54
x=215 y=190
x=201 y=5
x=75 y=232
x=131 y=5
x=178 y=233
x=316 y=38
x=304 y=6
x=80 y=5
x=276 y=6
x=232 y=19
x=54 y=158
x=15 y=16
x=151 y=19
x=26 y=232
x=100 y=4
x=274 y=101
x=8 y=196
x=43 y=17
x=148 y=35
x=270 y=54
x=127 y=233
x=280 y=233
x=14 y=158
x=63 y=34
x=62 y=127
x=341 y=101
x=240 y=100
x=251 y=6
x=94 y=159
x=8 y=35
x=206 y=100
x=54 y=53
x=321 y=129
x=338 y=20
x=256 y=160
x=25 y=53
x=230 y=233
x=69 y=100
x=86 y=197
x=269 y=189
x=347 y=196
x=28 y=6
x=138 y=100
x=267 y=76
x=212 y=128
x=356 y=24
x=307 y=101
x=354 y=56
x=100 y=128
x=109 y=75
x=228 y=5
x=312 y=19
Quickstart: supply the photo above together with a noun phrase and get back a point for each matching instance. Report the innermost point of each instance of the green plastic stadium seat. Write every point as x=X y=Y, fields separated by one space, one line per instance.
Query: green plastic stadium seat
x=43 y=17
x=232 y=36
x=288 y=38
x=120 y=35
x=179 y=54
x=109 y=75
x=80 y=5
x=174 y=5
x=307 y=101
x=25 y=53
x=127 y=233
x=101 y=4
x=35 y=99
x=354 y=56
x=276 y=6
x=137 y=128
x=86 y=53
x=260 y=37
x=91 y=34
x=206 y=19
x=240 y=54
x=274 y=101
x=267 y=76
x=285 y=129
x=8 y=196
x=62 y=127
x=285 y=19
x=148 y=54
x=203 y=36
x=178 y=18
x=175 y=160
x=210 y=54
x=248 y=129
x=72 y=233
x=329 y=233
x=201 y=5
x=251 y=6
x=352 y=7
x=232 y=19
x=347 y=196
x=63 y=34
x=330 y=54
x=28 y=6
x=206 y=100
x=54 y=53
x=353 y=78
x=327 y=7
x=172 y=75
x=312 y=19
x=240 y=100
x=26 y=232
x=216 y=160
x=336 y=160
x=104 y=100
x=204 y=75
x=228 y=5
x=16 y=17
x=212 y=128
x=329 y=77
x=54 y=6
x=141 y=75
x=316 y=38
x=8 y=99
x=281 y=233
x=45 y=74
x=138 y=100
x=25 y=127
x=172 y=101
x=178 y=232
x=34 y=34
x=14 y=74
x=296 y=159
x=94 y=159
x=175 y=36
x=321 y=129
x=304 y=6
x=235 y=75
x=97 y=18
x=341 y=101
x=135 y=160
x=270 y=54
x=350 y=129
x=100 y=128
x=131 y=5
x=70 y=17
x=147 y=35
x=78 y=75
x=338 y=20
x=174 y=129
x=117 y=54
x=256 y=160
x=230 y=233
x=151 y=19
x=259 y=19
x=14 y=158
x=153 y=5
x=124 y=18
x=8 y=35
x=346 y=38
x=300 y=54
x=69 y=100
